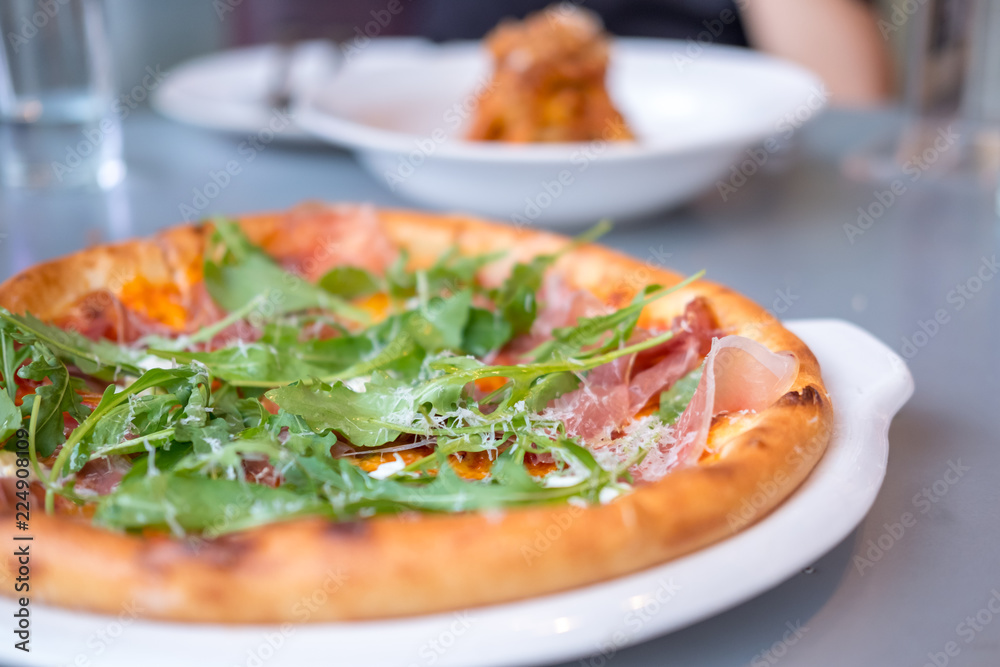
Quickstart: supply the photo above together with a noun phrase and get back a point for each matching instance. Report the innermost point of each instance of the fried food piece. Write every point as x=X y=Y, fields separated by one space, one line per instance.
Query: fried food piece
x=548 y=81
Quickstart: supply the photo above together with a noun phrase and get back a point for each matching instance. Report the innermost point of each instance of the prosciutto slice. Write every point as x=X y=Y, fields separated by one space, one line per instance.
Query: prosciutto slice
x=740 y=374
x=102 y=315
x=563 y=306
x=612 y=394
x=599 y=405
x=314 y=238
x=559 y=306
x=658 y=368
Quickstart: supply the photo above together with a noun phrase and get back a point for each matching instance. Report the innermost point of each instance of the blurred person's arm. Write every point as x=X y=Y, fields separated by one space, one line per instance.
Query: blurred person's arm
x=837 y=39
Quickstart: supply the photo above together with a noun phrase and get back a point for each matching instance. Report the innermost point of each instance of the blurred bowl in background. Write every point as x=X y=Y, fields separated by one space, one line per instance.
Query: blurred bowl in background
x=694 y=109
x=229 y=90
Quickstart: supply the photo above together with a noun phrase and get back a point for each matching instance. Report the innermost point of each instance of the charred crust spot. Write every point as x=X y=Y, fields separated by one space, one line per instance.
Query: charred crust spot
x=619 y=297
x=224 y=552
x=808 y=396
x=346 y=529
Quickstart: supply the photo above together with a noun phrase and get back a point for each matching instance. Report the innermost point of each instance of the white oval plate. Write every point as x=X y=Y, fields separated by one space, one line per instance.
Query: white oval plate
x=228 y=90
x=693 y=114
x=868 y=384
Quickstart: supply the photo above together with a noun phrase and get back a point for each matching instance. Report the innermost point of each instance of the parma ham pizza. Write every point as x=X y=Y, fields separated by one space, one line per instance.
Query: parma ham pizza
x=434 y=411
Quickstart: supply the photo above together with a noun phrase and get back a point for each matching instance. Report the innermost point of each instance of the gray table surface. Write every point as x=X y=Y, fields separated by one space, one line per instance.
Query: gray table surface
x=780 y=236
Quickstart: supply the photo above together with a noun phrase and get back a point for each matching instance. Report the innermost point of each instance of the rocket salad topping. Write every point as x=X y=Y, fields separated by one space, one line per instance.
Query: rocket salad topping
x=354 y=395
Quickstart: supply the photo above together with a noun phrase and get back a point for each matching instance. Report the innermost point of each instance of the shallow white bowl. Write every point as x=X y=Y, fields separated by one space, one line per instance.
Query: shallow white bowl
x=867 y=382
x=404 y=112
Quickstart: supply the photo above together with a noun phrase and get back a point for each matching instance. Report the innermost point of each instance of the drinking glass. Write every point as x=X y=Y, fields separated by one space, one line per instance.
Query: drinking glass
x=58 y=125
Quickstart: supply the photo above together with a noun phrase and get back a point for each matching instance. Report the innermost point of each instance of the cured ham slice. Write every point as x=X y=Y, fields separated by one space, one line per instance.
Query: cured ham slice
x=312 y=239
x=598 y=406
x=564 y=306
x=658 y=368
x=683 y=359
x=740 y=374
x=612 y=394
x=101 y=476
x=102 y=315
x=559 y=306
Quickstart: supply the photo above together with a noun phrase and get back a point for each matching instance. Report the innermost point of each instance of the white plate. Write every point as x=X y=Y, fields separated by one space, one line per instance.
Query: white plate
x=693 y=113
x=228 y=90
x=868 y=383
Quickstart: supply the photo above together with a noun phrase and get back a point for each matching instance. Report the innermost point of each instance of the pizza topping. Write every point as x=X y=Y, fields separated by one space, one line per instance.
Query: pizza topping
x=313 y=239
x=612 y=394
x=373 y=388
x=740 y=374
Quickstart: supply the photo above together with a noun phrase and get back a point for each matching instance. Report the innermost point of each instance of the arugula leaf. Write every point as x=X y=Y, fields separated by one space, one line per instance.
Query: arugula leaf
x=163 y=460
x=364 y=418
x=517 y=300
x=146 y=417
x=10 y=360
x=399 y=344
x=591 y=332
x=349 y=282
x=77 y=450
x=485 y=332
x=188 y=502
x=440 y=325
x=205 y=439
x=101 y=359
x=58 y=397
x=245 y=272
x=351 y=491
x=389 y=407
x=450 y=273
x=265 y=364
x=10 y=417
x=674 y=401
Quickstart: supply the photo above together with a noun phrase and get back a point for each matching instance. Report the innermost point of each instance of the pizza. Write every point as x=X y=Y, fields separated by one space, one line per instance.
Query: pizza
x=414 y=412
x=548 y=81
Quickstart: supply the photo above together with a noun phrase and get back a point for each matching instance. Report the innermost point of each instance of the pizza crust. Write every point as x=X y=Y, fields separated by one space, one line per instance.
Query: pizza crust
x=316 y=570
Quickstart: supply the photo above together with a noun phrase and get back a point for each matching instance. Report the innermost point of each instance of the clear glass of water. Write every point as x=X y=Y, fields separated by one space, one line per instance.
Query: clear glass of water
x=58 y=127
